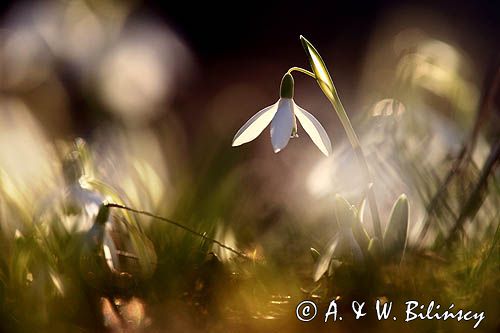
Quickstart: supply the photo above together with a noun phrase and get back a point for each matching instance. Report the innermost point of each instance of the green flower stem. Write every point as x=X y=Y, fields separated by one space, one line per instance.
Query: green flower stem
x=302 y=70
x=358 y=150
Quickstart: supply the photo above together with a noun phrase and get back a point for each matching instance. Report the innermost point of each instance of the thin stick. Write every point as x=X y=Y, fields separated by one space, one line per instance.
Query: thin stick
x=177 y=224
x=476 y=198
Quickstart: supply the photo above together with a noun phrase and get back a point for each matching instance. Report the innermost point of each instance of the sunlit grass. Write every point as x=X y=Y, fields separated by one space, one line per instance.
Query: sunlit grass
x=144 y=226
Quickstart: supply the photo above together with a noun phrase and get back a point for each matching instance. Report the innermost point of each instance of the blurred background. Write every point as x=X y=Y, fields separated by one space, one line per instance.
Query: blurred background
x=143 y=98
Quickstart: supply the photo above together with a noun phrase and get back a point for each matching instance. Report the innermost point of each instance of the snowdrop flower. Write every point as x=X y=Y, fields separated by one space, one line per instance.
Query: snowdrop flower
x=282 y=115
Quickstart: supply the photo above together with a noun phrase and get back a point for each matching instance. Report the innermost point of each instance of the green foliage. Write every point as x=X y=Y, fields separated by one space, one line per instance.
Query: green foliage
x=396 y=231
x=56 y=278
x=375 y=247
x=315 y=254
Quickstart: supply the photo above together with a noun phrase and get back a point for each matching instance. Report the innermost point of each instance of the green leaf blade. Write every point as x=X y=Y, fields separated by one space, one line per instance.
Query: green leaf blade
x=325 y=259
x=397 y=229
x=344 y=212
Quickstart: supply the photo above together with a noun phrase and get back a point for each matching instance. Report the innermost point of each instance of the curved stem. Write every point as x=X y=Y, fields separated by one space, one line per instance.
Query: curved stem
x=356 y=146
x=304 y=71
x=301 y=70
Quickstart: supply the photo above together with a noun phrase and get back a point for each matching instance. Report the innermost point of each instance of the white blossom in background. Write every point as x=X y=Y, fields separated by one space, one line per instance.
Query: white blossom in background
x=138 y=75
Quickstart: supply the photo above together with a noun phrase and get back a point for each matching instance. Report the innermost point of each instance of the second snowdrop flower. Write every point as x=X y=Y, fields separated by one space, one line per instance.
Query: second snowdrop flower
x=282 y=115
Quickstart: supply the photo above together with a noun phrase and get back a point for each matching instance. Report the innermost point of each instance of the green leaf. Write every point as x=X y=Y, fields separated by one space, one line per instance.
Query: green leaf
x=397 y=228
x=347 y=220
x=348 y=248
x=319 y=69
x=325 y=259
x=374 y=247
x=344 y=212
x=315 y=254
x=360 y=234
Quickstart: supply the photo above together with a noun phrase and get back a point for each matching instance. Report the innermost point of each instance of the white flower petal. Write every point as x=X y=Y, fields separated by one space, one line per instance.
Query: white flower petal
x=314 y=129
x=255 y=125
x=282 y=124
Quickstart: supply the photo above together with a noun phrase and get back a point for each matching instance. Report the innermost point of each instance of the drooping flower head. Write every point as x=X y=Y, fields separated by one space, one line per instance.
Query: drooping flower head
x=283 y=117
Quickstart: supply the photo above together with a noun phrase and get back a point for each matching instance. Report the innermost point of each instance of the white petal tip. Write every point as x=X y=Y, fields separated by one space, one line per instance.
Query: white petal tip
x=325 y=150
x=255 y=125
x=238 y=142
x=277 y=150
x=315 y=131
